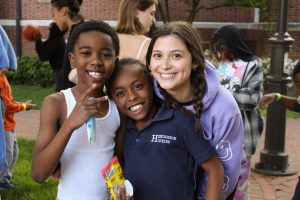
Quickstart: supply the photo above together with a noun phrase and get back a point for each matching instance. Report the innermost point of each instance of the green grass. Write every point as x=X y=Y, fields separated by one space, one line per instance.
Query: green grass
x=35 y=93
x=28 y=189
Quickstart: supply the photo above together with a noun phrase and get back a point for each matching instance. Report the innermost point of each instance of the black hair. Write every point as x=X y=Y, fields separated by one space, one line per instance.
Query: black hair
x=93 y=25
x=72 y=5
x=121 y=64
x=296 y=70
x=230 y=41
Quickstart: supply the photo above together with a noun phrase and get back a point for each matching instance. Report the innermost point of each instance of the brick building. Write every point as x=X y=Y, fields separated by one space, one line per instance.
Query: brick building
x=256 y=27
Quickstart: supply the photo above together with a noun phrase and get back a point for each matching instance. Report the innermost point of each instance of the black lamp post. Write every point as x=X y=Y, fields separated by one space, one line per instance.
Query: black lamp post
x=273 y=158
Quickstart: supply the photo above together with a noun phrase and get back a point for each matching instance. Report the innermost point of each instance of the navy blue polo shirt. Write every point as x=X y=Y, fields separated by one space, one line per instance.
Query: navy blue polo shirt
x=160 y=158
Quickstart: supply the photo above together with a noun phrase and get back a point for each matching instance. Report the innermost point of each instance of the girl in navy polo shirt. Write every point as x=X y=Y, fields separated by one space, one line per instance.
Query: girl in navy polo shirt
x=290 y=103
x=161 y=147
x=185 y=80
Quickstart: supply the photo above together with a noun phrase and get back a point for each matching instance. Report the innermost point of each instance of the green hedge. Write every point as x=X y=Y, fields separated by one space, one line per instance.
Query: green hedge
x=32 y=71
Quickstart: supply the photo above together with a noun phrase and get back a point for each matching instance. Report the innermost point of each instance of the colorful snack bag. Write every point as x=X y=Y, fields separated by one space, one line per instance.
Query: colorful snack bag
x=113 y=176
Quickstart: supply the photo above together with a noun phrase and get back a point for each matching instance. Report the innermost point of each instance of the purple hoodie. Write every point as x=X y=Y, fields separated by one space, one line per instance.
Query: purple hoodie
x=223 y=127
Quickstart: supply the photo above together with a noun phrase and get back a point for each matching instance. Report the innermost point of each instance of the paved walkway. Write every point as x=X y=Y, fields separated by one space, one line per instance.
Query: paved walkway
x=261 y=187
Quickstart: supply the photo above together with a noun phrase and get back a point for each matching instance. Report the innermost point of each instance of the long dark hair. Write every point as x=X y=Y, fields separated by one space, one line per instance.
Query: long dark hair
x=191 y=39
x=229 y=41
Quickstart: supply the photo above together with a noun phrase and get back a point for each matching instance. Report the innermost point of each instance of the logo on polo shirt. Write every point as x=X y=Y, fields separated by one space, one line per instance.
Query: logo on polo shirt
x=163 y=139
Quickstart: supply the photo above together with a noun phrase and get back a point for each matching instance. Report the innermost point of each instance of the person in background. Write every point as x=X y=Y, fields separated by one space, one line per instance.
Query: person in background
x=169 y=149
x=135 y=18
x=290 y=103
x=7 y=59
x=3 y=161
x=241 y=72
x=186 y=81
x=9 y=63
x=62 y=146
x=66 y=16
x=52 y=50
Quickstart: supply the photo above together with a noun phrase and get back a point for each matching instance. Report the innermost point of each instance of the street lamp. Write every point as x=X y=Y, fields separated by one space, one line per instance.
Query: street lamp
x=273 y=158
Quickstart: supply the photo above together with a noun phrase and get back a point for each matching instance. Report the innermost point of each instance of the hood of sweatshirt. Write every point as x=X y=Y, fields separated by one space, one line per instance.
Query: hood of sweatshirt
x=7 y=52
x=213 y=84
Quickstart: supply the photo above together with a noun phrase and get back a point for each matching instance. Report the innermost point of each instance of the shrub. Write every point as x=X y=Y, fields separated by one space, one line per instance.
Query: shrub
x=287 y=70
x=32 y=71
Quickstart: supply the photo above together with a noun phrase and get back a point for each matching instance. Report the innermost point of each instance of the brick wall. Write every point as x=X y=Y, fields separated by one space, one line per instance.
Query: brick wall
x=107 y=10
x=7 y=9
x=273 y=5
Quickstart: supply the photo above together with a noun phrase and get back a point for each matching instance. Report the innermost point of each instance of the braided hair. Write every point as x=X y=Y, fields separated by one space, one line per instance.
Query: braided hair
x=191 y=39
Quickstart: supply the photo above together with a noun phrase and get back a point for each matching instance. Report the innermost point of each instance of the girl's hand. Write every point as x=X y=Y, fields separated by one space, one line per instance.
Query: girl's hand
x=298 y=100
x=85 y=108
x=267 y=99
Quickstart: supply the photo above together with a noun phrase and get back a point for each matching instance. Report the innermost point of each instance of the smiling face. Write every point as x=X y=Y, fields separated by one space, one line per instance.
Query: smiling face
x=93 y=57
x=133 y=94
x=147 y=17
x=171 y=65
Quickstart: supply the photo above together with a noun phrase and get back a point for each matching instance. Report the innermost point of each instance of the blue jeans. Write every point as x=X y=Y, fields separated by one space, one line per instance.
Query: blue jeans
x=12 y=152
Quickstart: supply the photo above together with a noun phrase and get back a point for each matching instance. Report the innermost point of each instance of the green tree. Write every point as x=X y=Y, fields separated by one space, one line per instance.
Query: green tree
x=194 y=6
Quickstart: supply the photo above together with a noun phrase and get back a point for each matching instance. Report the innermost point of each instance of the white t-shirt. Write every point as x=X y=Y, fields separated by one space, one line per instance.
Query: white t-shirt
x=81 y=162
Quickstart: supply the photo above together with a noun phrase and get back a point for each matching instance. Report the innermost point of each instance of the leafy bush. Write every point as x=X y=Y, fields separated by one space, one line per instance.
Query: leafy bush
x=287 y=70
x=32 y=71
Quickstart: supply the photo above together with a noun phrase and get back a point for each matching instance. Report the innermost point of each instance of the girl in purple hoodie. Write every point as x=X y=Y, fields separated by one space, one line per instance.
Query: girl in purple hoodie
x=183 y=78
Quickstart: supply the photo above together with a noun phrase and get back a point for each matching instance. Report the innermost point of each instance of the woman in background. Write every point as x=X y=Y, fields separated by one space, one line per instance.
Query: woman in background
x=52 y=50
x=135 y=18
x=67 y=17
